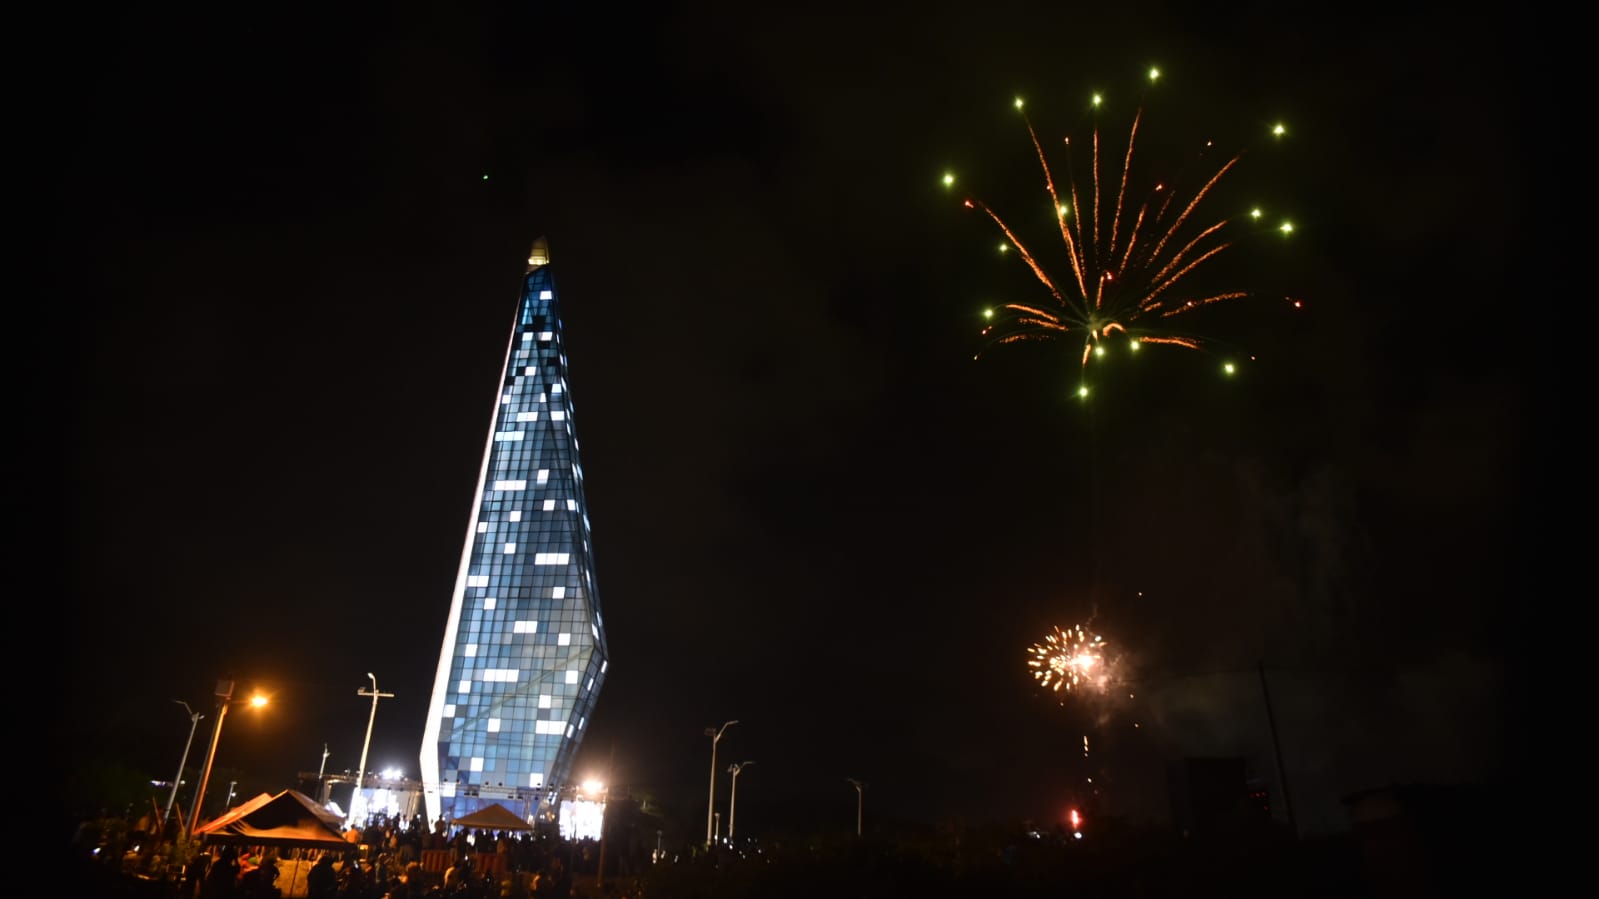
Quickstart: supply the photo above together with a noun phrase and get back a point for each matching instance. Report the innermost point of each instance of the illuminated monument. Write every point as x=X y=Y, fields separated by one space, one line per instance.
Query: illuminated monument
x=524 y=648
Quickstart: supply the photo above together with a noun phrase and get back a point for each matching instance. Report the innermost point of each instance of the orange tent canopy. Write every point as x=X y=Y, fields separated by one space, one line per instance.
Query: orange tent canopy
x=493 y=817
x=289 y=819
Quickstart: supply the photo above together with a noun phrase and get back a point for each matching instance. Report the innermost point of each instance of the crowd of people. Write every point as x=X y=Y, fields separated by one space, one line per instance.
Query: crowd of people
x=390 y=858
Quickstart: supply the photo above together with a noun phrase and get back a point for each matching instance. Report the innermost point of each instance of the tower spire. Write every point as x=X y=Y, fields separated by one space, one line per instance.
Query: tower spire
x=539 y=255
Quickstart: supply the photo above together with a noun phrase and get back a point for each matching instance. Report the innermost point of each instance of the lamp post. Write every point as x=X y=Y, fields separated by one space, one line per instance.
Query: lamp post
x=605 y=796
x=194 y=723
x=224 y=699
x=231 y=794
x=860 y=798
x=360 y=773
x=597 y=791
x=1277 y=750
x=710 y=807
x=732 y=799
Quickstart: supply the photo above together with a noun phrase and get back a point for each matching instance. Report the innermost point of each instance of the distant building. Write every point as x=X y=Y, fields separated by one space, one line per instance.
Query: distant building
x=524 y=647
x=1211 y=795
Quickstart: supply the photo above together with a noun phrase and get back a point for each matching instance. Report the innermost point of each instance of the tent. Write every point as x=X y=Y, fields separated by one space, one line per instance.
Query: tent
x=493 y=817
x=289 y=819
x=235 y=813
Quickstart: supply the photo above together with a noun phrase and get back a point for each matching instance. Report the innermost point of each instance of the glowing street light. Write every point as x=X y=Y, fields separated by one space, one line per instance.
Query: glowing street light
x=860 y=799
x=732 y=800
x=360 y=773
x=194 y=722
x=224 y=695
x=710 y=808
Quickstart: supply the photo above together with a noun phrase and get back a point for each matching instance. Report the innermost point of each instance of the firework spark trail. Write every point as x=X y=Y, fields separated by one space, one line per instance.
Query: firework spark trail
x=1060 y=215
x=1077 y=220
x=1122 y=281
x=1127 y=166
x=1096 y=215
x=1022 y=249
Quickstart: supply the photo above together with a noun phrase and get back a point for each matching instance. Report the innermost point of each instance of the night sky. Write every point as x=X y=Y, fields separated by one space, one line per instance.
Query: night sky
x=287 y=286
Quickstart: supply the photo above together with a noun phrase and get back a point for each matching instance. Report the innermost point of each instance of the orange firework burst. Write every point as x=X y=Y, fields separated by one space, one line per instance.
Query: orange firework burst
x=1131 y=257
x=1071 y=659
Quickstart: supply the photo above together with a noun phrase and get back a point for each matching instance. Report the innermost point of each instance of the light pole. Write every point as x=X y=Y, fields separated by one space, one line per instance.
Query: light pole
x=710 y=806
x=732 y=799
x=231 y=794
x=324 y=769
x=224 y=699
x=610 y=770
x=194 y=722
x=1277 y=750
x=860 y=798
x=360 y=773
x=593 y=789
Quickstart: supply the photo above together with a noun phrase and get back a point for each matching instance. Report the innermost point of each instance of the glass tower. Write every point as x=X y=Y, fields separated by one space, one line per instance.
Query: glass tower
x=524 y=648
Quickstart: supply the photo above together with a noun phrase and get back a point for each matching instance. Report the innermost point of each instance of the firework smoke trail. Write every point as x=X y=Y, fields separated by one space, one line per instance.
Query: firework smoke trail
x=1075 y=660
x=1128 y=264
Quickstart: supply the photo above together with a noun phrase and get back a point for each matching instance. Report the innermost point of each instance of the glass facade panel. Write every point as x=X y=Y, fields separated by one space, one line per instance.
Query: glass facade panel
x=524 y=652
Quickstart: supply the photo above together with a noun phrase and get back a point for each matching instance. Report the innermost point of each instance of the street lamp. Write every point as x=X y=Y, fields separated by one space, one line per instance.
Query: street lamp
x=732 y=800
x=596 y=790
x=224 y=699
x=860 y=798
x=710 y=807
x=360 y=773
x=194 y=722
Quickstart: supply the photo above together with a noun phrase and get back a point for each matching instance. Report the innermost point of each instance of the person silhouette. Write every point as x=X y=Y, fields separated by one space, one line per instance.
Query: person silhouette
x=223 y=876
x=322 y=882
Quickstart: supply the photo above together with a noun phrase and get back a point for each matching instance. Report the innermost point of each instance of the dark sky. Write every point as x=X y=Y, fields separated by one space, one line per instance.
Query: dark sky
x=287 y=288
